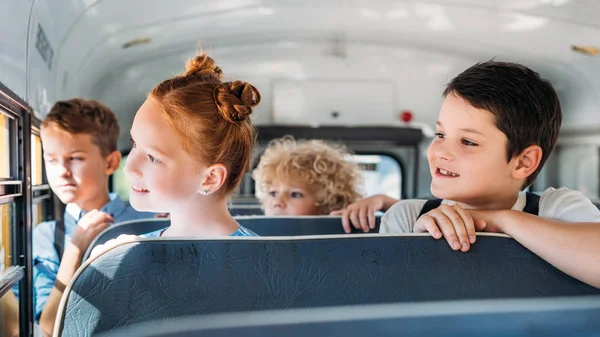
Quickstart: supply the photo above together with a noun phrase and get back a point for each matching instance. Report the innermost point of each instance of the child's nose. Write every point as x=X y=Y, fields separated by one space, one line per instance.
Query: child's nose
x=442 y=152
x=442 y=155
x=64 y=170
x=278 y=203
x=131 y=167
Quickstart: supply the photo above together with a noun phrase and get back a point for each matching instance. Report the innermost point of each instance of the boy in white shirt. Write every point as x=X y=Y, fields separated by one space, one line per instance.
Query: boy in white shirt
x=497 y=126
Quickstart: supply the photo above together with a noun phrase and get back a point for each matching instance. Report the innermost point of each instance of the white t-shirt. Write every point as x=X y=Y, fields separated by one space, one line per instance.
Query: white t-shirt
x=560 y=204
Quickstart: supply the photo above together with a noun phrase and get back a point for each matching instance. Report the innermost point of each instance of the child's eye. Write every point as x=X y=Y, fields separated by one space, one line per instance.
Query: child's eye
x=273 y=193
x=440 y=135
x=152 y=159
x=297 y=195
x=468 y=143
x=76 y=158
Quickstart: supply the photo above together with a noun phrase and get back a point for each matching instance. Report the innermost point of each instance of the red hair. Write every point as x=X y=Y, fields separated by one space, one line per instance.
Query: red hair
x=211 y=117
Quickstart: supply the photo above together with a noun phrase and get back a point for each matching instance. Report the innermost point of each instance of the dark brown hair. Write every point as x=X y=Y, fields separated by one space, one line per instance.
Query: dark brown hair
x=525 y=106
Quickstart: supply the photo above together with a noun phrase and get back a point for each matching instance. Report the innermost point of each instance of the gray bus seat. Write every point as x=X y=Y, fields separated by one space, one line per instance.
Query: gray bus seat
x=576 y=316
x=246 y=210
x=294 y=226
x=164 y=279
x=262 y=225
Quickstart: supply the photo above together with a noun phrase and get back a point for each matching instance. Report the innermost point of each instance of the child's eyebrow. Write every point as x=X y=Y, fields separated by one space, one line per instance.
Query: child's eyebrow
x=472 y=131
x=70 y=152
x=468 y=130
x=153 y=148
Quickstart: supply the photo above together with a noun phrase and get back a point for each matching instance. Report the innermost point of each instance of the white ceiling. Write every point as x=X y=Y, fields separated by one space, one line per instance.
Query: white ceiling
x=417 y=44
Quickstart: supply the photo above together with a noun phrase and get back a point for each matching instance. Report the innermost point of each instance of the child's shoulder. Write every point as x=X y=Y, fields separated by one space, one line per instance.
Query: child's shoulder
x=562 y=194
x=401 y=217
x=44 y=229
x=43 y=239
x=406 y=204
x=567 y=205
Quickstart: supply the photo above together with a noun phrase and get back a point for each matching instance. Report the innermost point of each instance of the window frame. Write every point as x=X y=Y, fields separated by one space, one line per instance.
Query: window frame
x=398 y=160
x=20 y=165
x=41 y=194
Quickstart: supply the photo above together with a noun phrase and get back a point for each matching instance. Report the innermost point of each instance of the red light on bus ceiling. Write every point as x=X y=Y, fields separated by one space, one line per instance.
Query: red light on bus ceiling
x=406 y=116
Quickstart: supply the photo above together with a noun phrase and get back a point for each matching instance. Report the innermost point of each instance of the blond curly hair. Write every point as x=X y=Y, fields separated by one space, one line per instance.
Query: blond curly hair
x=325 y=167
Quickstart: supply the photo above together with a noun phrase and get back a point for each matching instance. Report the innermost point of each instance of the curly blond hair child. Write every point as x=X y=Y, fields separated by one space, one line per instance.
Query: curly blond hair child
x=306 y=177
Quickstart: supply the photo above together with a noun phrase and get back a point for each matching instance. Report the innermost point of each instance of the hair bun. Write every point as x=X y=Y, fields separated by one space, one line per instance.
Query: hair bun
x=235 y=100
x=203 y=66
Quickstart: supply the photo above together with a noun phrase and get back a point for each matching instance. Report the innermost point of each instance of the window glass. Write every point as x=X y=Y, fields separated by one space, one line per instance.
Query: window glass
x=36 y=161
x=120 y=182
x=4 y=146
x=381 y=175
x=37 y=211
x=5 y=235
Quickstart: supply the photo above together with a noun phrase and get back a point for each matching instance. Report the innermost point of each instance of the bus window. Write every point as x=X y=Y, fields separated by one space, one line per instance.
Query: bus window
x=4 y=146
x=42 y=195
x=381 y=175
x=9 y=304
x=15 y=210
x=36 y=160
x=5 y=236
x=120 y=182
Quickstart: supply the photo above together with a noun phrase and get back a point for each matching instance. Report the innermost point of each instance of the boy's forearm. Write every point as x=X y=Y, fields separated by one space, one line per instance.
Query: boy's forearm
x=71 y=260
x=573 y=248
x=10 y=310
x=387 y=202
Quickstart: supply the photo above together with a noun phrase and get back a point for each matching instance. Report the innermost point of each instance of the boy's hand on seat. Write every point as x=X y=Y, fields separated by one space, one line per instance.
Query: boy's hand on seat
x=360 y=214
x=88 y=227
x=123 y=238
x=453 y=223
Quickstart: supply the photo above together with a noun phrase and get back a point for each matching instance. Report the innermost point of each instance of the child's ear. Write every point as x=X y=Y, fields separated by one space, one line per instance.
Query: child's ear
x=527 y=162
x=113 y=160
x=215 y=176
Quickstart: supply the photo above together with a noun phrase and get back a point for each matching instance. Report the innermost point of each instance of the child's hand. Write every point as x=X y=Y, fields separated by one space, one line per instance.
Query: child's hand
x=88 y=227
x=123 y=238
x=454 y=223
x=361 y=213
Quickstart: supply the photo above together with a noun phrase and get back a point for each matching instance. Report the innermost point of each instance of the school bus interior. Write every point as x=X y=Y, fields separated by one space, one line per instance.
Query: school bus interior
x=366 y=73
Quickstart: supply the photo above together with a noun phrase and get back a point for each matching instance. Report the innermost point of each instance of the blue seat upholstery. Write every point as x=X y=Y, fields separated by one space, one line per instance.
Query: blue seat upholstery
x=163 y=279
x=246 y=210
x=262 y=225
x=293 y=226
x=510 y=318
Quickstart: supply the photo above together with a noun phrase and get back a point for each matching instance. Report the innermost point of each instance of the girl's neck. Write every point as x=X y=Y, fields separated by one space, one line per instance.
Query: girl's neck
x=205 y=217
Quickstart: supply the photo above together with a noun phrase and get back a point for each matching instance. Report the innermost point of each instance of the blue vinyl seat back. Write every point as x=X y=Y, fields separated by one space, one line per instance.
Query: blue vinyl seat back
x=246 y=210
x=163 y=279
x=497 y=318
x=294 y=226
x=262 y=225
